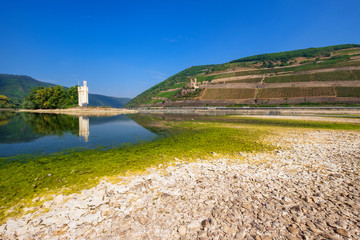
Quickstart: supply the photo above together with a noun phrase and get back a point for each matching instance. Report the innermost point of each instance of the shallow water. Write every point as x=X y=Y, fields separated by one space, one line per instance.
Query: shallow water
x=34 y=133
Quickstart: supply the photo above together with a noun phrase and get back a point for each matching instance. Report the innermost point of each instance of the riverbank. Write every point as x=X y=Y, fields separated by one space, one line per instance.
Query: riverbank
x=308 y=187
x=283 y=111
x=297 y=111
x=83 y=111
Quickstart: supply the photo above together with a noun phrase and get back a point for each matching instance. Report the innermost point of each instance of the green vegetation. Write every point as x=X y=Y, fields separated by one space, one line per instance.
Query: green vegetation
x=296 y=92
x=168 y=83
x=5 y=102
x=217 y=76
x=228 y=93
x=17 y=88
x=154 y=101
x=59 y=97
x=289 y=55
x=209 y=78
x=348 y=91
x=248 y=80
x=248 y=120
x=306 y=67
x=274 y=63
x=51 y=98
x=168 y=94
x=348 y=51
x=322 y=76
x=178 y=85
x=69 y=172
x=106 y=101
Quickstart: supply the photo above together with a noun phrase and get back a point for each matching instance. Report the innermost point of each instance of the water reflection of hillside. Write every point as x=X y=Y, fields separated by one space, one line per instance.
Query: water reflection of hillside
x=28 y=133
x=151 y=122
x=52 y=124
x=27 y=127
x=15 y=129
x=18 y=127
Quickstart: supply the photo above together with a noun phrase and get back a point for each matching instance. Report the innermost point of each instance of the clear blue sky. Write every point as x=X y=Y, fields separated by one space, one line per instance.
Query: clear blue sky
x=124 y=47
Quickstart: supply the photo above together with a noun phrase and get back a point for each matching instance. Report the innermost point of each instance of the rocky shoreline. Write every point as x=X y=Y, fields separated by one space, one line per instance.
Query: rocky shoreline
x=306 y=189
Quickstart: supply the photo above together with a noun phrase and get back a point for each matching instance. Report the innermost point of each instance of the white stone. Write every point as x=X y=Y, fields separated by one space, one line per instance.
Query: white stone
x=83 y=97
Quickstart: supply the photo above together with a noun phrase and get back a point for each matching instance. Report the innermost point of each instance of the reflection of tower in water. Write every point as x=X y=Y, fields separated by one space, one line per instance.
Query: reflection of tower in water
x=84 y=127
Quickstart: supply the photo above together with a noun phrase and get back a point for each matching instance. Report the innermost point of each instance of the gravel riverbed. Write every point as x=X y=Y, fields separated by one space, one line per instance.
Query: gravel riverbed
x=308 y=188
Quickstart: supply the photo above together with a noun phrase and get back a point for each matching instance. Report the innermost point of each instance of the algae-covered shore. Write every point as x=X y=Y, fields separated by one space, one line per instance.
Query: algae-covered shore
x=225 y=179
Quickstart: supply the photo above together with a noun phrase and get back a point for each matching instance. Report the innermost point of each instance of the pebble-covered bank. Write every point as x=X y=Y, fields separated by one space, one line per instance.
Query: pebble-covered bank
x=307 y=189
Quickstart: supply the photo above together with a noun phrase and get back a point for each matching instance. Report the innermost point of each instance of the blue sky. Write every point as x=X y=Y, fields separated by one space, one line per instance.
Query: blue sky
x=124 y=47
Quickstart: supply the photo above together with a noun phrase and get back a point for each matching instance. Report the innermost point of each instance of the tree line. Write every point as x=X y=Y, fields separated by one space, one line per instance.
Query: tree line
x=51 y=98
x=289 y=55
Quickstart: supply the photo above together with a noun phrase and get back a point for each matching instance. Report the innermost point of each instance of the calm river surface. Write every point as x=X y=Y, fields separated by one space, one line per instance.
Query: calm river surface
x=29 y=133
x=36 y=133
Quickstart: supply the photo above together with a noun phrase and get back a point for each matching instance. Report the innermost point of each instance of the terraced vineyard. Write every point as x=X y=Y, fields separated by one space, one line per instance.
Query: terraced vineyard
x=296 y=92
x=167 y=94
x=348 y=91
x=321 y=76
x=318 y=75
x=228 y=93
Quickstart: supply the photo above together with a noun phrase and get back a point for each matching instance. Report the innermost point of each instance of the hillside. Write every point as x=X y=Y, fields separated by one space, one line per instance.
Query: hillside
x=17 y=87
x=314 y=75
x=101 y=101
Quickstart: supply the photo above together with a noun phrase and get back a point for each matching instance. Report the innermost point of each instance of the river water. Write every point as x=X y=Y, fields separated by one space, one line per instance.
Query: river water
x=34 y=133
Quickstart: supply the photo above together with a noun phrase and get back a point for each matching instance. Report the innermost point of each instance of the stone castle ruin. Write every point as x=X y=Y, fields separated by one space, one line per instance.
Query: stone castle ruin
x=83 y=95
x=190 y=87
x=193 y=83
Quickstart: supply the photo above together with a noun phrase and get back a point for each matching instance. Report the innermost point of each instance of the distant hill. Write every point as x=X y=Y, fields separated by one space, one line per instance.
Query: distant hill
x=101 y=100
x=17 y=87
x=314 y=75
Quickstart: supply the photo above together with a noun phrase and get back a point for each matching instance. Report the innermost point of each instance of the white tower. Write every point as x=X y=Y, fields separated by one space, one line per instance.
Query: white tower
x=83 y=95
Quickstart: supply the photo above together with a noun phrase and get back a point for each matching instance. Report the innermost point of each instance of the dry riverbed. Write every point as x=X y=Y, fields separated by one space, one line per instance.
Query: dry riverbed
x=306 y=189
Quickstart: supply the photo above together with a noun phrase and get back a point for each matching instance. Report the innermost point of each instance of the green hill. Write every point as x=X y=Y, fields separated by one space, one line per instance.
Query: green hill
x=319 y=75
x=101 y=100
x=17 y=87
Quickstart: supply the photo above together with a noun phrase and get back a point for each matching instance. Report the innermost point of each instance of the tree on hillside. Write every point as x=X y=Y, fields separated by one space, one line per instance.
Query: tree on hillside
x=4 y=102
x=51 y=98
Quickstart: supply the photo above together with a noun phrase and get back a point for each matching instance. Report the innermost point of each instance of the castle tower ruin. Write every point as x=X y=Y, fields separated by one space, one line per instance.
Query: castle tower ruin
x=193 y=83
x=83 y=95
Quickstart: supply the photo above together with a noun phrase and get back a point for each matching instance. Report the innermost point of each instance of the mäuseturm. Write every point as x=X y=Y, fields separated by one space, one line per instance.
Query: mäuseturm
x=83 y=95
